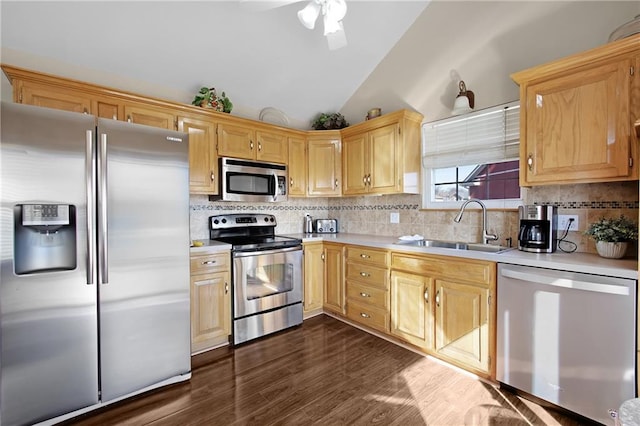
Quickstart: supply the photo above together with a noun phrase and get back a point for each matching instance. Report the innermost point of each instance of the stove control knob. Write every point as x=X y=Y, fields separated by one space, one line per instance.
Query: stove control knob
x=266 y=219
x=216 y=221
x=272 y=219
x=224 y=220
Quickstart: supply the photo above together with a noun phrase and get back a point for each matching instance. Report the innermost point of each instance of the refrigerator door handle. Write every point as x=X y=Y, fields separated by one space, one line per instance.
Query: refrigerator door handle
x=102 y=199
x=90 y=169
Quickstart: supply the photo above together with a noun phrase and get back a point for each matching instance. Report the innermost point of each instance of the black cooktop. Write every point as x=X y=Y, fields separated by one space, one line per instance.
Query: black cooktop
x=260 y=242
x=246 y=232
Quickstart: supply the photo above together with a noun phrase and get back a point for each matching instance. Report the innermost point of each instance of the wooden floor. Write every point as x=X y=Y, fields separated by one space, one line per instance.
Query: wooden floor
x=329 y=373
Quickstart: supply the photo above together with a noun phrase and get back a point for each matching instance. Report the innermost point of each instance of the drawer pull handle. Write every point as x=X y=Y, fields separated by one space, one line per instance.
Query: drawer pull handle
x=363 y=315
x=226 y=288
x=364 y=274
x=438 y=298
x=365 y=256
x=291 y=182
x=530 y=162
x=251 y=145
x=209 y=262
x=426 y=296
x=365 y=295
x=213 y=176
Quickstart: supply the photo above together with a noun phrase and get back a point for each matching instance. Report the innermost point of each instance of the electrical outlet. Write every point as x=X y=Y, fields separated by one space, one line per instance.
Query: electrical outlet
x=563 y=222
x=395 y=217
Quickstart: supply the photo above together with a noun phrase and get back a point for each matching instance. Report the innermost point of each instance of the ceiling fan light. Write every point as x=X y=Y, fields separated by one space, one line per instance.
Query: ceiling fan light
x=309 y=14
x=331 y=25
x=336 y=9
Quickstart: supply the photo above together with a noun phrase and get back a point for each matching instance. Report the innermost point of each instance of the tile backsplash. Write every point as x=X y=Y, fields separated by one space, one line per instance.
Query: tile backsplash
x=371 y=215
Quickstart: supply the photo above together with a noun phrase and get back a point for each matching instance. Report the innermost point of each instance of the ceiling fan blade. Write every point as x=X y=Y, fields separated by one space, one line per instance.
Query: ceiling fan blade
x=337 y=39
x=262 y=5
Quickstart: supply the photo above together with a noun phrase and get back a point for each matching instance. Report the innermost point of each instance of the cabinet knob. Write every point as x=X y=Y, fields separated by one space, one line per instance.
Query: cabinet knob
x=369 y=179
x=364 y=274
x=251 y=144
x=365 y=295
x=226 y=288
x=530 y=162
x=335 y=184
x=129 y=119
x=259 y=146
x=438 y=298
x=322 y=257
x=426 y=296
x=291 y=182
x=364 y=179
x=213 y=176
x=363 y=315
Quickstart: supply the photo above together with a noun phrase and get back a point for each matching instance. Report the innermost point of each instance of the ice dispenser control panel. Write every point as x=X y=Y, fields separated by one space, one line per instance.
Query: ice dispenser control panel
x=45 y=214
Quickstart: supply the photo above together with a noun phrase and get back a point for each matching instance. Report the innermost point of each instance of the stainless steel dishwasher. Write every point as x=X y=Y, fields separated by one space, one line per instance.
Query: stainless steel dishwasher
x=568 y=338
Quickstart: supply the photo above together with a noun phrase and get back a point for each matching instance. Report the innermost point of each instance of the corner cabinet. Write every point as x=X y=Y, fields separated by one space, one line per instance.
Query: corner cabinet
x=382 y=155
x=324 y=167
x=444 y=306
x=577 y=117
x=210 y=300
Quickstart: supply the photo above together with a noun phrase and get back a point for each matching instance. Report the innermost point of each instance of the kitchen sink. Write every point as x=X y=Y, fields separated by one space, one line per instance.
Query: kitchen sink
x=487 y=248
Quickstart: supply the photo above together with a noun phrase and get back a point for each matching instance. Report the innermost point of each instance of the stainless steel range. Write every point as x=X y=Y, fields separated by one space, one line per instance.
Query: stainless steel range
x=266 y=274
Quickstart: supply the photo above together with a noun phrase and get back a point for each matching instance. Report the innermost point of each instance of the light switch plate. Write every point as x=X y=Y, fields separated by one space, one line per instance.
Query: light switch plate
x=395 y=217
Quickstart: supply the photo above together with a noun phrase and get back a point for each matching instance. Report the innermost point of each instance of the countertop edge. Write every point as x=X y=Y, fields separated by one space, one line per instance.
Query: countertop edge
x=210 y=246
x=575 y=262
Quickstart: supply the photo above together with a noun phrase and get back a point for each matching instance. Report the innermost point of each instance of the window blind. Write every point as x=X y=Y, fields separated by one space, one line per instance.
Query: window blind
x=487 y=136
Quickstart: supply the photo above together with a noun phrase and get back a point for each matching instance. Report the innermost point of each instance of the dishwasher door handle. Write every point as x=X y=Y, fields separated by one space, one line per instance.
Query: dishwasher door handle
x=566 y=282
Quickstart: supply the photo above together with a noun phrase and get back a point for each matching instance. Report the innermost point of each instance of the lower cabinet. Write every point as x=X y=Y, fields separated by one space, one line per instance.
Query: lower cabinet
x=313 y=278
x=333 y=278
x=210 y=300
x=443 y=305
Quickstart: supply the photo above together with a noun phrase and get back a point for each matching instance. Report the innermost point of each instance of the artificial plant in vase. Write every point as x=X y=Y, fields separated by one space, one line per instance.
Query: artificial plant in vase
x=612 y=235
x=207 y=97
x=329 y=121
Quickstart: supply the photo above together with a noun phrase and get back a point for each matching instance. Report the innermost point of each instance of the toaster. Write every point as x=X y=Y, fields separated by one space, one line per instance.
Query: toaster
x=325 y=226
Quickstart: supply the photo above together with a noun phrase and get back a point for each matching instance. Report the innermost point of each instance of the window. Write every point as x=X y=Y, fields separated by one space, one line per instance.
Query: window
x=473 y=156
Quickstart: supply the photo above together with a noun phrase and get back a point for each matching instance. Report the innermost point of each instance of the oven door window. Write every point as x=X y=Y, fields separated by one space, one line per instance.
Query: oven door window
x=250 y=183
x=267 y=280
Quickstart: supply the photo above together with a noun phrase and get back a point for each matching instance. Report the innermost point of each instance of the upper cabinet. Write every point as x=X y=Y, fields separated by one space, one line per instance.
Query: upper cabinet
x=382 y=155
x=139 y=113
x=324 y=163
x=251 y=143
x=203 y=161
x=577 y=117
x=297 y=166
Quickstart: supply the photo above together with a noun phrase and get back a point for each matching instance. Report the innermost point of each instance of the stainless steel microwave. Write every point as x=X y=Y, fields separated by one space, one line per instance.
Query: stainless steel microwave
x=246 y=180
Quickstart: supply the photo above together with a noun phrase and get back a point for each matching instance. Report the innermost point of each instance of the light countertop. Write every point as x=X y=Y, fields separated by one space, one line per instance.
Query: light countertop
x=210 y=246
x=574 y=262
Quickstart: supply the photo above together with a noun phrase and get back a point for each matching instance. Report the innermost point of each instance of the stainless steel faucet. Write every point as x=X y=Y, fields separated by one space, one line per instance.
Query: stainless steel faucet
x=486 y=237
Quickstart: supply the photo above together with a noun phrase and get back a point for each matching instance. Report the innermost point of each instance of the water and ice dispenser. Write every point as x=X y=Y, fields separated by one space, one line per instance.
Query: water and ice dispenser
x=44 y=238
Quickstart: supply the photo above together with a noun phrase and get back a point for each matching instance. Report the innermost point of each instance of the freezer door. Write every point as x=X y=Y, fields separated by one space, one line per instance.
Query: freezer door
x=143 y=232
x=48 y=316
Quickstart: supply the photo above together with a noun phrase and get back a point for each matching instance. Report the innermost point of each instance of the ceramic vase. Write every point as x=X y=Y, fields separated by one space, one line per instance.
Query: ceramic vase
x=611 y=250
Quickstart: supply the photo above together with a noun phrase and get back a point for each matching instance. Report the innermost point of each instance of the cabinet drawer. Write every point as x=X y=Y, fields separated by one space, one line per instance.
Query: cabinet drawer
x=466 y=270
x=367 y=255
x=371 y=275
x=367 y=315
x=367 y=295
x=209 y=263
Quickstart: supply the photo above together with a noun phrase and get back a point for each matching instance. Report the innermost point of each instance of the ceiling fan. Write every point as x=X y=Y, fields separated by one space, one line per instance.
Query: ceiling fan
x=333 y=11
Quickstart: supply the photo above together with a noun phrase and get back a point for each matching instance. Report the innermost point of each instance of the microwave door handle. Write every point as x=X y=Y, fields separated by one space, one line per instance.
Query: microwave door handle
x=275 y=186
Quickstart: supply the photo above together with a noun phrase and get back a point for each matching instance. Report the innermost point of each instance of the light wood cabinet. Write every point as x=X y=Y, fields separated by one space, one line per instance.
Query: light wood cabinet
x=443 y=305
x=577 y=117
x=314 y=277
x=367 y=286
x=150 y=116
x=251 y=143
x=51 y=96
x=210 y=300
x=324 y=152
x=203 y=161
x=297 y=167
x=382 y=155
x=334 y=279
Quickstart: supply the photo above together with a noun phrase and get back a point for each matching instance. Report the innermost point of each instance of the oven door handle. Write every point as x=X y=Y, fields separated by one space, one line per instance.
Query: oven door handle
x=263 y=252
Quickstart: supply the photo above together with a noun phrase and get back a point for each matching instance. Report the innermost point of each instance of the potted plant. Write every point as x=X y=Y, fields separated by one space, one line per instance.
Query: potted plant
x=207 y=97
x=612 y=236
x=329 y=121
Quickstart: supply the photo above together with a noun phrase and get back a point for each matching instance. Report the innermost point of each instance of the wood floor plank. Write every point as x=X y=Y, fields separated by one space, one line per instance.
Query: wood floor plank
x=324 y=372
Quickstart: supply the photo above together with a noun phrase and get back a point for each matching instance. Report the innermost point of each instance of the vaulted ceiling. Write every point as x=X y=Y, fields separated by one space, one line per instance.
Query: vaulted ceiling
x=400 y=54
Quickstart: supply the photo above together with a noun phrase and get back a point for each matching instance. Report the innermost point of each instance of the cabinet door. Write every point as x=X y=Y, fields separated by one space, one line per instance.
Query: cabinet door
x=384 y=160
x=43 y=95
x=150 y=116
x=203 y=162
x=210 y=310
x=462 y=324
x=355 y=165
x=334 y=279
x=297 y=167
x=412 y=308
x=325 y=168
x=577 y=127
x=313 y=276
x=236 y=141
x=272 y=147
x=107 y=108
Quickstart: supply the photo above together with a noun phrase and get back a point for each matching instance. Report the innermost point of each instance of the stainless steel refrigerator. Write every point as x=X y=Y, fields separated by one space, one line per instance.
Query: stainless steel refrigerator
x=94 y=284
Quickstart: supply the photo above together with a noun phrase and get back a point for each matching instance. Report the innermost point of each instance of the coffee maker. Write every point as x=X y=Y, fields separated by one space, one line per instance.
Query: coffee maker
x=538 y=228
